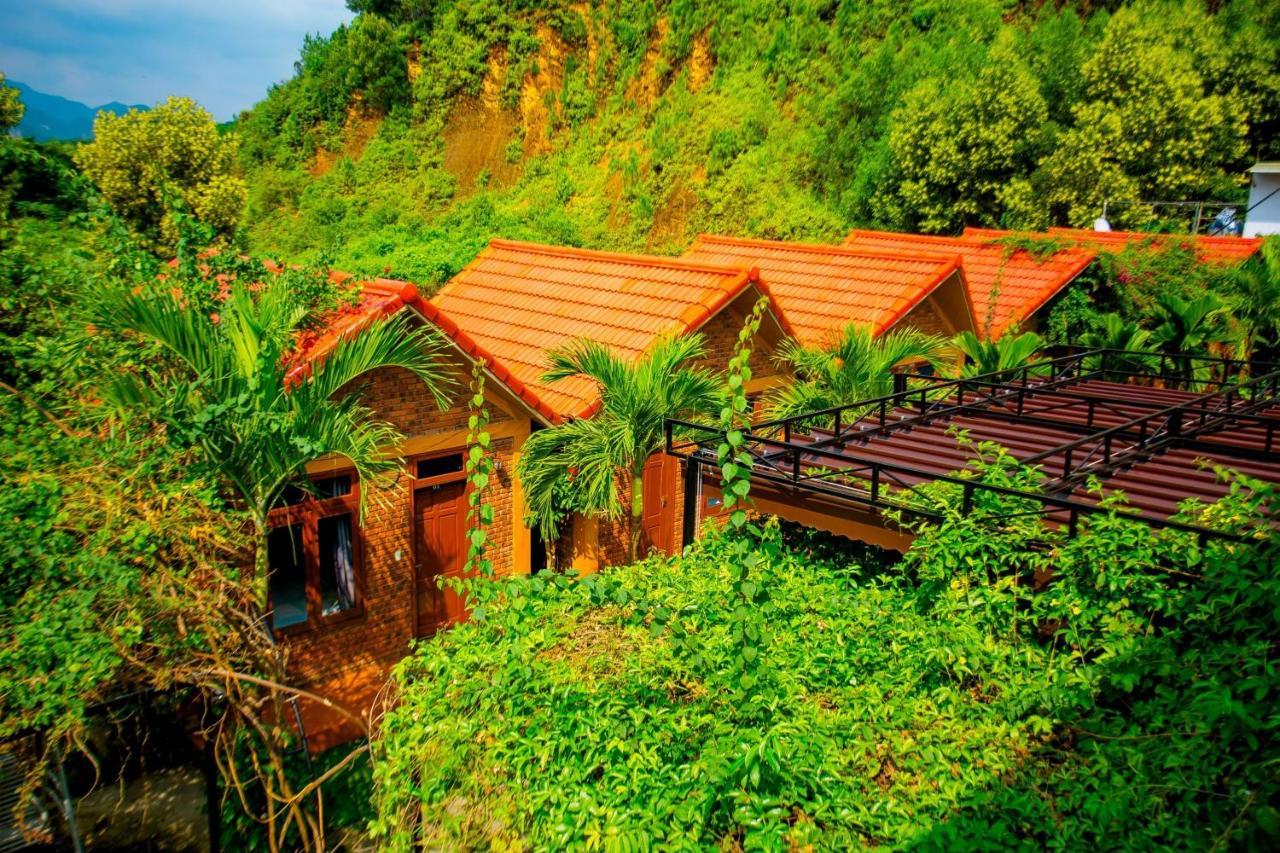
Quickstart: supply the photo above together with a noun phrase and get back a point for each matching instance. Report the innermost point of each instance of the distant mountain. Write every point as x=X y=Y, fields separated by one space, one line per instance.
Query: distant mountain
x=55 y=117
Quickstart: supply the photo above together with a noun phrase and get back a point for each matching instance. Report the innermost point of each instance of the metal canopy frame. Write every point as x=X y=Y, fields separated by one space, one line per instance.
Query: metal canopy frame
x=1181 y=402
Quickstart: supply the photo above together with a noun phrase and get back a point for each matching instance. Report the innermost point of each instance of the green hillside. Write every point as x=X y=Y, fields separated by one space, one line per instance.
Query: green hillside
x=409 y=138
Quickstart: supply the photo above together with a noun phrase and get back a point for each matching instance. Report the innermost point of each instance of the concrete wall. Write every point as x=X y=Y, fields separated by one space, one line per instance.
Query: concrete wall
x=1265 y=218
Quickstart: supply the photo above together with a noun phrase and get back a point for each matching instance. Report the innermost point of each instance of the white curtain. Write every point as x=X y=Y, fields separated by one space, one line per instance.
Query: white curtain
x=344 y=573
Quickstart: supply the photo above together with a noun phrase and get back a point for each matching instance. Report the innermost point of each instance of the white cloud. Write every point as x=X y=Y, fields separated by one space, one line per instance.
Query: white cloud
x=225 y=53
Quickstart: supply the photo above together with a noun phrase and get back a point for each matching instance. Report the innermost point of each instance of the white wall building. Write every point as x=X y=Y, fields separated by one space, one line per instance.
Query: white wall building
x=1264 y=200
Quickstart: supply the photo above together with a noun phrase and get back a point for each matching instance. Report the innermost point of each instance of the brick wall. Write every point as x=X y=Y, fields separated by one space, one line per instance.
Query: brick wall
x=926 y=318
x=397 y=396
x=721 y=335
x=382 y=634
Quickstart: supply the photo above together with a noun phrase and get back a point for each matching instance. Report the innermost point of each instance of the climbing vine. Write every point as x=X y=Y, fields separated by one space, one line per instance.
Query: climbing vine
x=479 y=474
x=748 y=542
x=478 y=569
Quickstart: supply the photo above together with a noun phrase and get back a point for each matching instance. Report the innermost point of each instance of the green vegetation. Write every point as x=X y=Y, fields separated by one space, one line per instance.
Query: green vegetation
x=605 y=454
x=149 y=163
x=855 y=366
x=1255 y=303
x=124 y=569
x=1187 y=328
x=1010 y=351
x=11 y=107
x=412 y=136
x=952 y=700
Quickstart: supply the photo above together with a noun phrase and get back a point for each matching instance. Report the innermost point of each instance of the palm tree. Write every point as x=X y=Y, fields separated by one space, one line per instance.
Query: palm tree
x=1189 y=328
x=604 y=453
x=1006 y=353
x=855 y=366
x=1256 y=302
x=226 y=385
x=1133 y=350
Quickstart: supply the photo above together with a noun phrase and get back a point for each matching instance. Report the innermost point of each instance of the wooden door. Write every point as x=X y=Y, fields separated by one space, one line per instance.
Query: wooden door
x=439 y=529
x=659 y=519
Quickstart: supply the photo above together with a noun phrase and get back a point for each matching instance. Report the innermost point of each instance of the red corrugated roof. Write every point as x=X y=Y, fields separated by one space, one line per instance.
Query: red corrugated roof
x=1017 y=282
x=520 y=300
x=1221 y=250
x=821 y=289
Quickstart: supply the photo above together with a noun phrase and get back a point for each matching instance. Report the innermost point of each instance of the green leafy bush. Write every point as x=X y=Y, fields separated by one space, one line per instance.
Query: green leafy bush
x=981 y=693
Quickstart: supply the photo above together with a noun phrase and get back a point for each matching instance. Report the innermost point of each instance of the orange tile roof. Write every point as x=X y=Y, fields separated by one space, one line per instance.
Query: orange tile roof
x=1221 y=250
x=1018 y=283
x=520 y=300
x=383 y=297
x=821 y=289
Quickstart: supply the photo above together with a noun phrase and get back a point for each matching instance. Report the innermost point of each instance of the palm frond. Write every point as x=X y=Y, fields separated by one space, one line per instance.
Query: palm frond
x=585 y=452
x=1008 y=352
x=855 y=365
x=586 y=358
x=162 y=317
x=384 y=344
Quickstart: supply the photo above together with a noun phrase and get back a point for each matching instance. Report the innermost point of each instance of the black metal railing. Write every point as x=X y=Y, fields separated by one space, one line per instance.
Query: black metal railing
x=810 y=451
x=871 y=482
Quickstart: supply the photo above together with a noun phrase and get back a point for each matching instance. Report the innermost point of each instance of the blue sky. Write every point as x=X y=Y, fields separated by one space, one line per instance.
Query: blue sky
x=223 y=53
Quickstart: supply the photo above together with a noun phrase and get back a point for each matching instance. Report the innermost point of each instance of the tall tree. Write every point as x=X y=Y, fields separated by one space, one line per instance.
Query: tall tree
x=962 y=148
x=11 y=107
x=223 y=383
x=607 y=453
x=1151 y=125
x=855 y=366
x=146 y=161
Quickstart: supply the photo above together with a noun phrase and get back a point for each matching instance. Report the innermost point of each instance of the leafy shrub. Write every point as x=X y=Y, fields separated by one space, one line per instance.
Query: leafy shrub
x=953 y=699
x=144 y=162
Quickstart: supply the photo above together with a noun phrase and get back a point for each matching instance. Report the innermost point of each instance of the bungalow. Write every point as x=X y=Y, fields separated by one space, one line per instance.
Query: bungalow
x=350 y=594
x=520 y=300
x=1008 y=286
x=822 y=289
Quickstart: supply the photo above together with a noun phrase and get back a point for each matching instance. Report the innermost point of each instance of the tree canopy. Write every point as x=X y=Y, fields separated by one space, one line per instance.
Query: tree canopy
x=630 y=125
x=147 y=162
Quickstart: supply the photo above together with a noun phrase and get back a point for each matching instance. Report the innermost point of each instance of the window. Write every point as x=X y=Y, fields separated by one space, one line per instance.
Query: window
x=288 y=576
x=314 y=554
x=337 y=565
x=440 y=466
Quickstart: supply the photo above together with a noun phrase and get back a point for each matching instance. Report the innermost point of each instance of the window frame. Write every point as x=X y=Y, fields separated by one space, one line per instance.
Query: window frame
x=308 y=513
x=416 y=482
